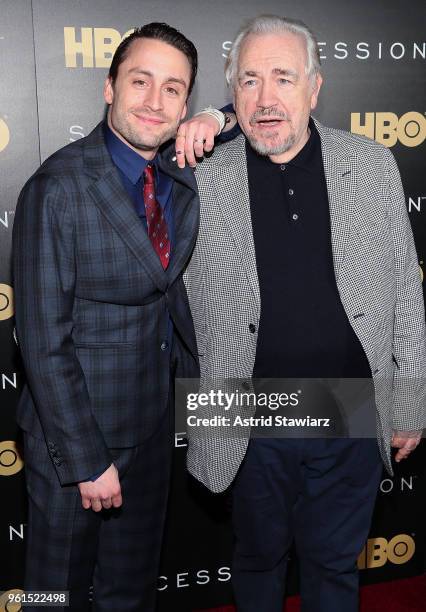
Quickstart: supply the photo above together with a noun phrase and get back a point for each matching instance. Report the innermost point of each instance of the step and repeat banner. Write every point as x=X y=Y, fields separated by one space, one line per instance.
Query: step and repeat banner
x=54 y=56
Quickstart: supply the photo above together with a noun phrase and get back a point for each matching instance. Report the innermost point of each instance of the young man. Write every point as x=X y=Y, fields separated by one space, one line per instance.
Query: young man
x=102 y=232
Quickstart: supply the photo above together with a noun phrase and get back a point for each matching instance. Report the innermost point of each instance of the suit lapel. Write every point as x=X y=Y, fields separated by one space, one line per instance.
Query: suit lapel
x=340 y=170
x=230 y=182
x=185 y=211
x=111 y=198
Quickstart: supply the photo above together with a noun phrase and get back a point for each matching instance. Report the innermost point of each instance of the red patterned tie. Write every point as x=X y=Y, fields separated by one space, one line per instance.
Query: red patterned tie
x=156 y=222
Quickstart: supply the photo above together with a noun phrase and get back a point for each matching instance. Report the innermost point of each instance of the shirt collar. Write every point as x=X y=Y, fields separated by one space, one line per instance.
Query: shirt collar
x=128 y=161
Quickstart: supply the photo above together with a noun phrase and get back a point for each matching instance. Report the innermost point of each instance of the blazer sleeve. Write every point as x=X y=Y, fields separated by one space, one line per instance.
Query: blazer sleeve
x=409 y=342
x=44 y=281
x=230 y=134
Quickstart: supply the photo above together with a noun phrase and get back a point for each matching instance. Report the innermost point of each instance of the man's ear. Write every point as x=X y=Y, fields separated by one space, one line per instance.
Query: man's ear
x=315 y=91
x=108 y=90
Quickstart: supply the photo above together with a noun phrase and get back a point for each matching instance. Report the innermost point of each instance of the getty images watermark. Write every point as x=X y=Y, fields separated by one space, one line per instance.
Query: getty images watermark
x=229 y=401
x=280 y=408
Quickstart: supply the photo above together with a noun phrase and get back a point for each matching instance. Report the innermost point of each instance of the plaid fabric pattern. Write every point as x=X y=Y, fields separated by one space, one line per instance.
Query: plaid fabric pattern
x=93 y=304
x=377 y=275
x=118 y=551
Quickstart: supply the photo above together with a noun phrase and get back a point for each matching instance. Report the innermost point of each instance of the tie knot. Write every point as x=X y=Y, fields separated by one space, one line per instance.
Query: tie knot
x=148 y=175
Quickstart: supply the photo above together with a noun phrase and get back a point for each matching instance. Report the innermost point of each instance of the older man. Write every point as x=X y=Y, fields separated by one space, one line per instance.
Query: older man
x=304 y=267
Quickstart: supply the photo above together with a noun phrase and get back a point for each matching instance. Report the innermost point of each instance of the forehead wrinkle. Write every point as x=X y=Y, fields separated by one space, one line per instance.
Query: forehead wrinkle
x=285 y=72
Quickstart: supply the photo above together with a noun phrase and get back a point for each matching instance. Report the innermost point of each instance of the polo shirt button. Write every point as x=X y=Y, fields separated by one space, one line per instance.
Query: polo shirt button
x=164 y=346
x=252 y=328
x=283 y=167
x=290 y=192
x=295 y=217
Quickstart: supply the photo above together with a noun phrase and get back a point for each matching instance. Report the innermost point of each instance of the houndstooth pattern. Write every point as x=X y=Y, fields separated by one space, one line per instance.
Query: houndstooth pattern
x=377 y=275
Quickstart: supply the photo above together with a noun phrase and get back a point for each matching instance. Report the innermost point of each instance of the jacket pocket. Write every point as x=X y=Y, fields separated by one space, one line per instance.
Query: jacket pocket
x=105 y=345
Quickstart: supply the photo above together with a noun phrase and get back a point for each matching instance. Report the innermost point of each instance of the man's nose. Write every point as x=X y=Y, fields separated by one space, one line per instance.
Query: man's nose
x=267 y=96
x=153 y=98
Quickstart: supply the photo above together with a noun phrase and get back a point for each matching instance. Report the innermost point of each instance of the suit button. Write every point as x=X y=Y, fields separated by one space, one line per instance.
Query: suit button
x=245 y=385
x=164 y=346
x=252 y=328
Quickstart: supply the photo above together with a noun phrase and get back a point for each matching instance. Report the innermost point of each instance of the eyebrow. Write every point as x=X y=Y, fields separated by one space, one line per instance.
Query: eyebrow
x=170 y=79
x=277 y=71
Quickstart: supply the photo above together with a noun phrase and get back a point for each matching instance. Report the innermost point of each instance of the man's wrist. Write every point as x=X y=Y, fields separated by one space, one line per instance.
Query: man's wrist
x=220 y=117
x=406 y=433
x=95 y=476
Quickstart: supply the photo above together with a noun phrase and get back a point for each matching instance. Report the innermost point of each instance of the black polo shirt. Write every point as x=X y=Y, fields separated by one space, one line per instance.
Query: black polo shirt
x=304 y=330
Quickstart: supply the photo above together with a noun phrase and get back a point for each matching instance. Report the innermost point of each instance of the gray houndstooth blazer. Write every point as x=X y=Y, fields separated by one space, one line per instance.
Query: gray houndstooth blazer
x=93 y=305
x=377 y=275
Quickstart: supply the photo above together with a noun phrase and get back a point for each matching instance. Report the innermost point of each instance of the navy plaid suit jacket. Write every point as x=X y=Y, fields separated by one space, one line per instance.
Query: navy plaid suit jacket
x=92 y=307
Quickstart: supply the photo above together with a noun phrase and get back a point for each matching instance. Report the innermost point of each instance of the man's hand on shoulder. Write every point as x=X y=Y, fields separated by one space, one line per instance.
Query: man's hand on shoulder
x=195 y=137
x=104 y=492
x=406 y=442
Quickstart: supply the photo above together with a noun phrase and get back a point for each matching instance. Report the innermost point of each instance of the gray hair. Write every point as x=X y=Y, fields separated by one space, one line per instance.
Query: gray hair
x=272 y=24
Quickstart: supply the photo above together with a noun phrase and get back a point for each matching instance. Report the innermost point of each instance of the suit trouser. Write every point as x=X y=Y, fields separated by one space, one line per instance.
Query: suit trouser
x=319 y=492
x=116 y=551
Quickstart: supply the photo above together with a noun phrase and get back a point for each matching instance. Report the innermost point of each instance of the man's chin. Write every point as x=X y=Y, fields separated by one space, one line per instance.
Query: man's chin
x=151 y=142
x=271 y=147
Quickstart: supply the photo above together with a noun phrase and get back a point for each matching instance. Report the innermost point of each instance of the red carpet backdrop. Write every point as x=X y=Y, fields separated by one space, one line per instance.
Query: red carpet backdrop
x=407 y=595
x=54 y=55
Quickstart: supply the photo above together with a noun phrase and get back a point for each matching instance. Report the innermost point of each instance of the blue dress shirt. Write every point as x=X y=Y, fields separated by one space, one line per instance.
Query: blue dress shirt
x=131 y=166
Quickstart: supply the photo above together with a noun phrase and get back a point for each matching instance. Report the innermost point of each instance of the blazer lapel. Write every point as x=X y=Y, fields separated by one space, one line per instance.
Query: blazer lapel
x=232 y=192
x=185 y=210
x=111 y=198
x=340 y=170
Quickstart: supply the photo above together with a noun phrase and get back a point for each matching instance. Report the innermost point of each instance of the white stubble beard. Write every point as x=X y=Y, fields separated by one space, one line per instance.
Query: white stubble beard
x=264 y=148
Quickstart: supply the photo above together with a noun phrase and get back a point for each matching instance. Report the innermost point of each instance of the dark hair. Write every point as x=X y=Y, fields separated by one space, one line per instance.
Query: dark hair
x=159 y=31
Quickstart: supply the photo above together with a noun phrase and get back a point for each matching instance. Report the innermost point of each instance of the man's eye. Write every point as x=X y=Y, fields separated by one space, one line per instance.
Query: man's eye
x=283 y=81
x=139 y=82
x=172 y=90
x=249 y=83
